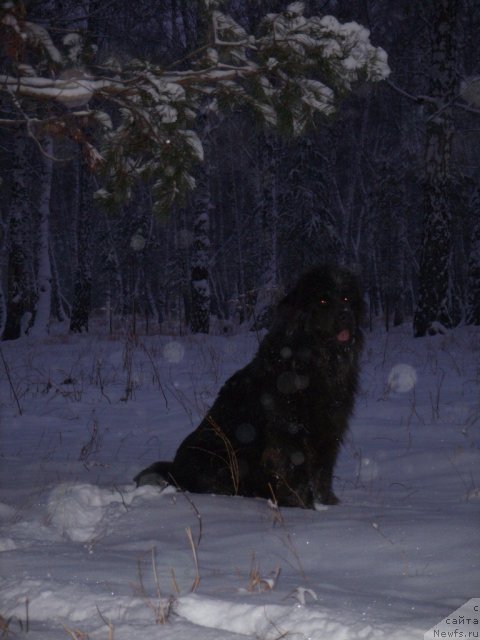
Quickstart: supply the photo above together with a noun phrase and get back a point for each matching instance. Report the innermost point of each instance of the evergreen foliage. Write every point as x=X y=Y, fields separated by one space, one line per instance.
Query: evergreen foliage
x=288 y=74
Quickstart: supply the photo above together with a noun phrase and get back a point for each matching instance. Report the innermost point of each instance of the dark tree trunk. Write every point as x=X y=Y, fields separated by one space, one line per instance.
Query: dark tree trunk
x=200 y=287
x=40 y=325
x=473 y=290
x=60 y=310
x=435 y=308
x=81 y=306
x=267 y=220
x=3 y=269
x=20 y=289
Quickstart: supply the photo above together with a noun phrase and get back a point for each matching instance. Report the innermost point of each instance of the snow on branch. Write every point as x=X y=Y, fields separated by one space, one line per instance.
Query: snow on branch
x=295 y=69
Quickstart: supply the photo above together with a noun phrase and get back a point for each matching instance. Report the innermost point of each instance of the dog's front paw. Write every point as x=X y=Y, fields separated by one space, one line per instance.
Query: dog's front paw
x=328 y=498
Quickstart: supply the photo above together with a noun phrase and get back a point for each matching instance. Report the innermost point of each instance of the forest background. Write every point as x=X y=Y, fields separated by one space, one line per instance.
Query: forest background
x=387 y=183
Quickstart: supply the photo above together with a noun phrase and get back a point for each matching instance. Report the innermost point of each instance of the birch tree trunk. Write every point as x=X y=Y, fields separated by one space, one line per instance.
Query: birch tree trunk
x=435 y=307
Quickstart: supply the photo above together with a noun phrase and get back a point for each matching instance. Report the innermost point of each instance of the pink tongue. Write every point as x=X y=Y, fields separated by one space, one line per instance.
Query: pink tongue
x=343 y=336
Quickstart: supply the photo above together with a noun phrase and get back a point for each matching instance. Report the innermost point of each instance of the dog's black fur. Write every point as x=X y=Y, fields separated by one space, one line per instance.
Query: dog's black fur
x=276 y=426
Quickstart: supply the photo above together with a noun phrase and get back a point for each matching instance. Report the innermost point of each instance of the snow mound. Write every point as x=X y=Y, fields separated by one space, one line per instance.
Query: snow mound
x=402 y=378
x=6 y=511
x=273 y=621
x=47 y=601
x=7 y=544
x=83 y=512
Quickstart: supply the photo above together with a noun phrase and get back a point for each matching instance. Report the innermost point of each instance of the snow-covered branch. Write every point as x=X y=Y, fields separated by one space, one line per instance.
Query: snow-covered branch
x=295 y=69
x=66 y=91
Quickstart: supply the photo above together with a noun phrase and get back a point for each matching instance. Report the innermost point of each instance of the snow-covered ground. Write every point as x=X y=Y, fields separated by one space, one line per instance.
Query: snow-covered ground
x=83 y=554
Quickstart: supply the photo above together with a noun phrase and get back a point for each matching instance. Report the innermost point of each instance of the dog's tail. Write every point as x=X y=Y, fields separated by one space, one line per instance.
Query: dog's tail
x=158 y=473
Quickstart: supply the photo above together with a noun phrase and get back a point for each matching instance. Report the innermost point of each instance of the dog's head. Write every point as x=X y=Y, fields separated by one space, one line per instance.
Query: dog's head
x=326 y=305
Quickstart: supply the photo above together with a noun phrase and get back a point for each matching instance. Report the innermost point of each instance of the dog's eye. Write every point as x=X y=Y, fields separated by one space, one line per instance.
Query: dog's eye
x=345 y=299
x=323 y=301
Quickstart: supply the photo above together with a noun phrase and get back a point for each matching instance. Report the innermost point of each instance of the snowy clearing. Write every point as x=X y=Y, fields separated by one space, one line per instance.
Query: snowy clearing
x=84 y=554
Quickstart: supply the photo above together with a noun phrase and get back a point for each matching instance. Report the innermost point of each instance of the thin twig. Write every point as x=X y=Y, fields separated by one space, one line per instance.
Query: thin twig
x=155 y=371
x=10 y=381
x=155 y=575
x=108 y=624
x=192 y=504
x=196 y=580
x=231 y=460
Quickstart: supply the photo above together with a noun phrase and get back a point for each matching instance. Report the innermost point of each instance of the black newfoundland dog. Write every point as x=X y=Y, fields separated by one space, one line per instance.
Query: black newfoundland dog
x=276 y=426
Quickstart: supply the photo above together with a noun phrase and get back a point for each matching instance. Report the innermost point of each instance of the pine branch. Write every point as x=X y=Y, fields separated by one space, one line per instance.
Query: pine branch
x=296 y=70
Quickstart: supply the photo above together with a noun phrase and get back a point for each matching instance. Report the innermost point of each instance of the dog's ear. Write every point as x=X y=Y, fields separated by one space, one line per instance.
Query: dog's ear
x=299 y=296
x=290 y=314
x=288 y=301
